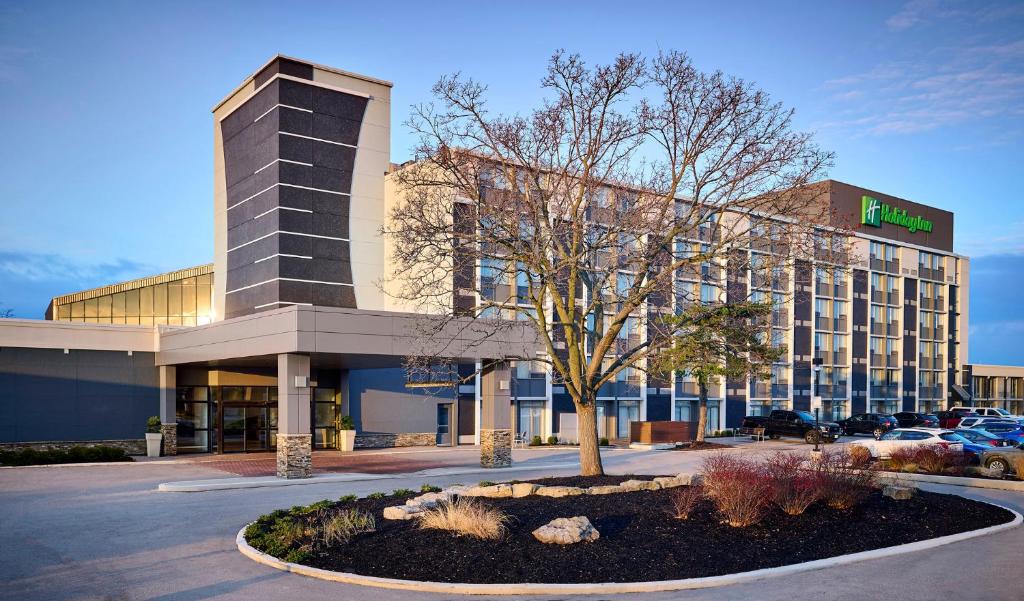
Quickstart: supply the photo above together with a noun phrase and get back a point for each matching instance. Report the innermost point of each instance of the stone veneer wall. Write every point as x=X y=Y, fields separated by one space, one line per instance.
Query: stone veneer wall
x=495 y=448
x=132 y=447
x=294 y=455
x=170 y=432
x=401 y=439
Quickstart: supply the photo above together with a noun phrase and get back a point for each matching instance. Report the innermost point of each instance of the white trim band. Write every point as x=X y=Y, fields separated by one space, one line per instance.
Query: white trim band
x=241 y=202
x=282 y=303
x=287 y=280
x=287 y=232
x=288 y=133
x=278 y=105
x=282 y=209
x=281 y=255
x=282 y=161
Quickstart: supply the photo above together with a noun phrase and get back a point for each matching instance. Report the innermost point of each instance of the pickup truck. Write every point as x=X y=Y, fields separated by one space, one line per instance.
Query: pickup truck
x=800 y=424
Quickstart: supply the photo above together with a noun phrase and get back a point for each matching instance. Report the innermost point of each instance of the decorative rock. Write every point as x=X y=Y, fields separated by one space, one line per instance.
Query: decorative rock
x=523 y=489
x=428 y=500
x=401 y=512
x=294 y=455
x=635 y=485
x=605 y=490
x=566 y=531
x=558 y=491
x=496 y=491
x=669 y=481
x=899 y=493
x=689 y=478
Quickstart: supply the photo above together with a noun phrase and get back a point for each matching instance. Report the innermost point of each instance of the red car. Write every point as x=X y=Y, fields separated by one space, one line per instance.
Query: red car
x=951 y=419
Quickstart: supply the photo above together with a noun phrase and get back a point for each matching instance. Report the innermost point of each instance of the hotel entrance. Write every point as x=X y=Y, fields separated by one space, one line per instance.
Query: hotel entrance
x=248 y=415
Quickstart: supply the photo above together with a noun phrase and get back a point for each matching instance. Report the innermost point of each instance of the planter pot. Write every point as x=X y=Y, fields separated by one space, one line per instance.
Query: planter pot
x=346 y=440
x=153 y=444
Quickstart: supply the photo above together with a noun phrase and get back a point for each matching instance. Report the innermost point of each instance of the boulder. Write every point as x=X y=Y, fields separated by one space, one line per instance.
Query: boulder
x=669 y=481
x=689 y=478
x=605 y=490
x=401 y=512
x=899 y=493
x=523 y=489
x=494 y=492
x=635 y=485
x=567 y=531
x=558 y=491
x=428 y=500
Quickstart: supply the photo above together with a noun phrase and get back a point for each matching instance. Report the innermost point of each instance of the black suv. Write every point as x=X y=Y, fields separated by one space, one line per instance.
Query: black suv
x=910 y=419
x=875 y=424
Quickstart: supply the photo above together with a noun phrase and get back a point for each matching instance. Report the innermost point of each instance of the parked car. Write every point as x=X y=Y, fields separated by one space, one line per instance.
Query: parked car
x=875 y=424
x=972 y=421
x=781 y=422
x=1011 y=432
x=911 y=437
x=989 y=412
x=979 y=436
x=1002 y=460
x=910 y=419
x=951 y=419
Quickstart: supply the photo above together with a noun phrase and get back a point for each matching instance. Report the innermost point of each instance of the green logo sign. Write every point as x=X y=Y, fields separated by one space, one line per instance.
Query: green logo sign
x=874 y=212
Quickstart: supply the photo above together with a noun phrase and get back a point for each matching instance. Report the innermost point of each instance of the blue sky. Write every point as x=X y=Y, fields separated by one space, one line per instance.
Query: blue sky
x=106 y=154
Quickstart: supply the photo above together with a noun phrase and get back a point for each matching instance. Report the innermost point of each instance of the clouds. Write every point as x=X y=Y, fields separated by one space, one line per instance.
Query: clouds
x=29 y=280
x=949 y=64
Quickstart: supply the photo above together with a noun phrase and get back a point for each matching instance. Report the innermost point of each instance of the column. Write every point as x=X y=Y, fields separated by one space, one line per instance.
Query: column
x=168 y=408
x=294 y=440
x=496 y=415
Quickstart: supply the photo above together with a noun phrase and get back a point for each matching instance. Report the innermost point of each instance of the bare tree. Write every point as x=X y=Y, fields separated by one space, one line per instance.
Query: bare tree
x=583 y=216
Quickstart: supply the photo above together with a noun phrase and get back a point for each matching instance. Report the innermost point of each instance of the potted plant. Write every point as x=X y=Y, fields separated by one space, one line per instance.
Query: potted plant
x=153 y=436
x=346 y=434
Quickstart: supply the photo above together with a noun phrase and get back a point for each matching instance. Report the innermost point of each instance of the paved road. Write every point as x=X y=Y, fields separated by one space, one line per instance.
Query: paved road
x=104 y=533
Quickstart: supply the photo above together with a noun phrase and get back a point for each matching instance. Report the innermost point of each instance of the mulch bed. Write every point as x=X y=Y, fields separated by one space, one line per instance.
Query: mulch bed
x=701 y=446
x=640 y=541
x=585 y=481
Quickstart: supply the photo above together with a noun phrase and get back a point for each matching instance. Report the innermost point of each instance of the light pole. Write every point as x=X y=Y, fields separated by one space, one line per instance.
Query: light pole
x=816 y=398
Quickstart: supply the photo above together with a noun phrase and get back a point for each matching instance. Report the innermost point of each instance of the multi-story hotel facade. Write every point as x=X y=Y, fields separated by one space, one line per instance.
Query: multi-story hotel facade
x=287 y=329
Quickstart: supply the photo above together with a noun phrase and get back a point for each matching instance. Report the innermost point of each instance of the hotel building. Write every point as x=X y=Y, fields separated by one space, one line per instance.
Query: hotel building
x=286 y=330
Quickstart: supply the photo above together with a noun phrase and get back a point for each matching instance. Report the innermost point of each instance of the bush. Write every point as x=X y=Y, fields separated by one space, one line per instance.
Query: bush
x=536 y=441
x=153 y=425
x=859 y=456
x=375 y=495
x=843 y=483
x=430 y=488
x=738 y=486
x=936 y=459
x=346 y=423
x=485 y=483
x=603 y=441
x=899 y=458
x=80 y=454
x=793 y=488
x=338 y=526
x=552 y=440
x=684 y=499
x=466 y=516
x=347 y=499
x=402 y=492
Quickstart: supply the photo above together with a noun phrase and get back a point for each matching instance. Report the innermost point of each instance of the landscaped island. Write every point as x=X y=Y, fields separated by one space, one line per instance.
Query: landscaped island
x=738 y=515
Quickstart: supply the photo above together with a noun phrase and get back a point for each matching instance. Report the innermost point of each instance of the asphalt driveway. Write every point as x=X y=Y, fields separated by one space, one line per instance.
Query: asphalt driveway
x=104 y=533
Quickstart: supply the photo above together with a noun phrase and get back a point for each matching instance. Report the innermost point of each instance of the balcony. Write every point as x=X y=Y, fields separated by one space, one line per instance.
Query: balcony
x=881 y=297
x=890 y=360
x=765 y=390
x=936 y=333
x=836 y=357
x=780 y=320
x=931 y=392
x=626 y=343
x=927 y=273
x=891 y=329
x=892 y=266
x=529 y=388
x=832 y=391
x=830 y=324
x=890 y=391
x=933 y=362
x=832 y=290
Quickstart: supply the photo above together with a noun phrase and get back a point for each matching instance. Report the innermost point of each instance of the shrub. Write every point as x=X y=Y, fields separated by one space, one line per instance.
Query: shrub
x=843 y=483
x=936 y=459
x=535 y=441
x=347 y=498
x=402 y=492
x=430 y=488
x=738 y=486
x=375 y=495
x=153 y=425
x=552 y=440
x=603 y=441
x=485 y=483
x=346 y=423
x=793 y=488
x=859 y=456
x=684 y=499
x=337 y=527
x=899 y=458
x=466 y=516
x=79 y=454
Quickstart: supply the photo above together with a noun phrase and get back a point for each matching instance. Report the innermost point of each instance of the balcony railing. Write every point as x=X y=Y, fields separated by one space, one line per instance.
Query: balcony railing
x=930 y=392
x=885 y=392
x=832 y=391
x=628 y=389
x=765 y=390
x=832 y=290
x=927 y=273
x=836 y=357
x=886 y=329
x=892 y=266
x=935 y=333
x=529 y=387
x=890 y=360
x=831 y=324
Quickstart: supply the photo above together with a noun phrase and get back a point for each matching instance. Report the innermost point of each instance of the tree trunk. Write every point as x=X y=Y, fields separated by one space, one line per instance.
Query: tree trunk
x=702 y=421
x=590 y=451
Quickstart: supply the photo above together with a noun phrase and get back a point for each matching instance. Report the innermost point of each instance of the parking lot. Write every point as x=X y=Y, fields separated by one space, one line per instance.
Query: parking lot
x=103 y=532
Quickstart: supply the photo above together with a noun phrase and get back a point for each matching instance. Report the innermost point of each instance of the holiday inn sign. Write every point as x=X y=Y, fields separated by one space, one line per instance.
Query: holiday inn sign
x=874 y=212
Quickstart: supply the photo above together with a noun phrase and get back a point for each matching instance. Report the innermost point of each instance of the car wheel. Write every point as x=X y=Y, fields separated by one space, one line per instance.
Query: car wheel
x=878 y=433
x=997 y=465
x=812 y=437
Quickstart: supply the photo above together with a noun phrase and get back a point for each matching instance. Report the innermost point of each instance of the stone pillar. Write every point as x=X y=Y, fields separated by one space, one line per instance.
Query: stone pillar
x=168 y=408
x=496 y=415
x=294 y=440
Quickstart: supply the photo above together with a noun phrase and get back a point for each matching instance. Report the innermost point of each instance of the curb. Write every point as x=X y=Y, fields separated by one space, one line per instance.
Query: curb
x=609 y=588
x=968 y=482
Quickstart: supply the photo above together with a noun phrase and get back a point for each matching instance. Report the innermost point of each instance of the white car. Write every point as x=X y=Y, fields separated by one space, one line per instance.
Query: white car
x=978 y=422
x=901 y=438
x=995 y=412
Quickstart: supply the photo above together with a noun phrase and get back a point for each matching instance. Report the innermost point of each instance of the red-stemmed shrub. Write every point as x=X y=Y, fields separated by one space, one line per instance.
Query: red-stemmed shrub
x=860 y=457
x=684 y=499
x=739 y=487
x=793 y=487
x=903 y=457
x=843 y=483
x=936 y=459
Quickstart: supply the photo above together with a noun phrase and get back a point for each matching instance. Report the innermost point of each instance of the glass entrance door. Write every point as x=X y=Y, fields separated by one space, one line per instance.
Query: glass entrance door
x=247 y=428
x=629 y=411
x=444 y=425
x=531 y=419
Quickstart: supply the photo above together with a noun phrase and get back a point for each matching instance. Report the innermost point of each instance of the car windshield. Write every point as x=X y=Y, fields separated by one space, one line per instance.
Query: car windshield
x=804 y=415
x=891 y=435
x=1003 y=412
